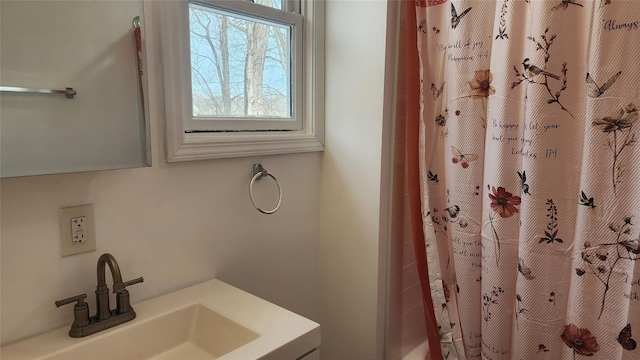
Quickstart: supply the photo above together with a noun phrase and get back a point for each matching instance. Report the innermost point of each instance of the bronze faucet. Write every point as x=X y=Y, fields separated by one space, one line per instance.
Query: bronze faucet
x=83 y=325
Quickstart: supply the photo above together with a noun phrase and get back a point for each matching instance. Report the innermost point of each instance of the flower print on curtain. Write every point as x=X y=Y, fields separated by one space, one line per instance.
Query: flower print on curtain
x=601 y=260
x=504 y=204
x=481 y=84
x=620 y=136
x=580 y=341
x=530 y=174
x=481 y=89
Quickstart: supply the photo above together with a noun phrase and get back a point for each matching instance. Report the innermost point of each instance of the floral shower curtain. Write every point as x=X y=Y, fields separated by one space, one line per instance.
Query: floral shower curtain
x=530 y=176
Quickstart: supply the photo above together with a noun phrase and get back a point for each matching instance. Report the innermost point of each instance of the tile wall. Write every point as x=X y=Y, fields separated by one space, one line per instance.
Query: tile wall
x=406 y=324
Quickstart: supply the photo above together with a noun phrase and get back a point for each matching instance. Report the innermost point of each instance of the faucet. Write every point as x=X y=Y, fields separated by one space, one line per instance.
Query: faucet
x=105 y=318
x=102 y=292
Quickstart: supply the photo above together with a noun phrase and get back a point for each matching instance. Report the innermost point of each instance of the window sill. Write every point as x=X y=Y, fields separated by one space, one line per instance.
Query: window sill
x=201 y=146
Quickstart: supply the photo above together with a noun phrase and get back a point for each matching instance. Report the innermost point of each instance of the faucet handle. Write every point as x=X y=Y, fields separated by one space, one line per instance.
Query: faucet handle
x=134 y=281
x=80 y=310
x=78 y=298
x=121 y=286
x=123 y=304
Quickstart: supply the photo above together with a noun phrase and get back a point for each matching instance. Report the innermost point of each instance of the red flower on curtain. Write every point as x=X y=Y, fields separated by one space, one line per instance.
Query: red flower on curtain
x=503 y=202
x=481 y=84
x=481 y=89
x=580 y=340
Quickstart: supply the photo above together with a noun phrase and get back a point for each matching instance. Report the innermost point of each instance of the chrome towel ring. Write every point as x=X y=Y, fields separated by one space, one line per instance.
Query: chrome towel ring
x=258 y=173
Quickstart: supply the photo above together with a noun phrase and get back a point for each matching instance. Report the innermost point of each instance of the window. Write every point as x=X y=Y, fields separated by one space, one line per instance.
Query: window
x=242 y=77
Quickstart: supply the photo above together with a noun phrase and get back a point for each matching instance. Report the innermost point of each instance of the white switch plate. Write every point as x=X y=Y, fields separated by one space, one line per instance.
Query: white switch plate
x=76 y=229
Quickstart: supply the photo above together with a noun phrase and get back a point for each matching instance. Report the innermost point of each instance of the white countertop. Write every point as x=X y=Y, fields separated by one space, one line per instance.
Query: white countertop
x=282 y=333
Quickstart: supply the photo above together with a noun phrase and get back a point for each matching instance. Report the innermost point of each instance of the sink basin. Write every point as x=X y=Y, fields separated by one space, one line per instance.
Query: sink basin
x=195 y=332
x=211 y=320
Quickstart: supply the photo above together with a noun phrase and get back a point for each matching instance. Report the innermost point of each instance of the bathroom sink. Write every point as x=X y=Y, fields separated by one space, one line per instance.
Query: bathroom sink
x=211 y=320
x=195 y=332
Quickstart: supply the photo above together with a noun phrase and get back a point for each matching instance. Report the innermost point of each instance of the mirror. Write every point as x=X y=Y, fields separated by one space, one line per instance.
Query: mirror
x=90 y=47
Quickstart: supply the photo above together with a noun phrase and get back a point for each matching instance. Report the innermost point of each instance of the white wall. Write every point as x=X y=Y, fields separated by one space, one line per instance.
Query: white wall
x=177 y=224
x=173 y=224
x=351 y=181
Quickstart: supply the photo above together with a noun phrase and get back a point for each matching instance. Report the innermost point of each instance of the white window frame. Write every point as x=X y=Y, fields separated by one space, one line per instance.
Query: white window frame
x=253 y=12
x=182 y=145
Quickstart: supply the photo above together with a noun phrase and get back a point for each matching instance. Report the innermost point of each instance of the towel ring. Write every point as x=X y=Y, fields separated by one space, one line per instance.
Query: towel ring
x=258 y=173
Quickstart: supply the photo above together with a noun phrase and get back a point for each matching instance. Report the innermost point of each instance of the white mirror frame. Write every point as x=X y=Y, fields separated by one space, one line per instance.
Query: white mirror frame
x=182 y=146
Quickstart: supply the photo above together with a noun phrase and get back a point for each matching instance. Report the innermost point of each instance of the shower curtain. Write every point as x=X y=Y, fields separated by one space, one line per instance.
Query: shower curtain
x=529 y=176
